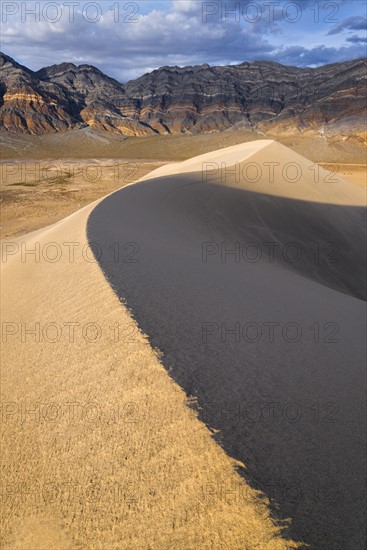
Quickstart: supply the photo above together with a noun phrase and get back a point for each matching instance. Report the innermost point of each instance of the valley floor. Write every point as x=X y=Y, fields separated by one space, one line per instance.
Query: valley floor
x=38 y=186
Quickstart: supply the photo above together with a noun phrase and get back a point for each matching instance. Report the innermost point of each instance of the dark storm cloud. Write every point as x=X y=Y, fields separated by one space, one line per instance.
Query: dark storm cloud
x=354 y=23
x=354 y=39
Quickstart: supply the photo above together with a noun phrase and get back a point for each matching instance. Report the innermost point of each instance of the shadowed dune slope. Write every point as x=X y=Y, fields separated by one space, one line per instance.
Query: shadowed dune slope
x=271 y=345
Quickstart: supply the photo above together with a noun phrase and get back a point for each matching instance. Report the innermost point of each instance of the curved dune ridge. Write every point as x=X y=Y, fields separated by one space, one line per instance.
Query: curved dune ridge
x=227 y=266
x=267 y=166
x=100 y=447
x=263 y=192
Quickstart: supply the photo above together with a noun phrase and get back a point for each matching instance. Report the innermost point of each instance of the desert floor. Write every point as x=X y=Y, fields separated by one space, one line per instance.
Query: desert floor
x=35 y=194
x=45 y=178
x=163 y=387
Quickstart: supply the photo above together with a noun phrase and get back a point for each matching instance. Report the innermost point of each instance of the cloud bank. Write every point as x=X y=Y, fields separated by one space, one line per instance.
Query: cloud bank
x=128 y=39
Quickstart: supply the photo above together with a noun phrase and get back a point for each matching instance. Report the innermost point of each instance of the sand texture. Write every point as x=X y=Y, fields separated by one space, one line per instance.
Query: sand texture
x=134 y=418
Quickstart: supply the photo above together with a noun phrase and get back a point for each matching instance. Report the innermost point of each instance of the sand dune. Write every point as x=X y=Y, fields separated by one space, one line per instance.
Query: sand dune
x=266 y=166
x=101 y=449
x=206 y=269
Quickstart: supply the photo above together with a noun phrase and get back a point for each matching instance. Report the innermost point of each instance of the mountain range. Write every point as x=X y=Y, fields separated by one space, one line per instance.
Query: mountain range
x=262 y=96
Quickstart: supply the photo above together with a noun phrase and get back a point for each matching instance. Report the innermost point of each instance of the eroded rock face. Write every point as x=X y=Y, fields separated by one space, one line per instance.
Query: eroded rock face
x=29 y=104
x=62 y=97
x=264 y=96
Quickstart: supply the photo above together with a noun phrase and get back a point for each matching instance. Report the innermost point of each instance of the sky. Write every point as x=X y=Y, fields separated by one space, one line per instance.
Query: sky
x=126 y=39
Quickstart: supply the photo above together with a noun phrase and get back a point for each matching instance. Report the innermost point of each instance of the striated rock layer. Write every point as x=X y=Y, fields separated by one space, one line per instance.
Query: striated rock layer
x=262 y=95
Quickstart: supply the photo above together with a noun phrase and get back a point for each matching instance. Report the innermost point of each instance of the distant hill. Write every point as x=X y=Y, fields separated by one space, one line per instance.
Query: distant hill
x=261 y=96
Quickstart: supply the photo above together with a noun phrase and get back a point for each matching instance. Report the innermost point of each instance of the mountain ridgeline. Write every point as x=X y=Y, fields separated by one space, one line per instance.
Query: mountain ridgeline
x=262 y=96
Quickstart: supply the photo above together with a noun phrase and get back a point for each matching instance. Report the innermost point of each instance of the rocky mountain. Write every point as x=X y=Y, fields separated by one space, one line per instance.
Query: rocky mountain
x=262 y=95
x=61 y=97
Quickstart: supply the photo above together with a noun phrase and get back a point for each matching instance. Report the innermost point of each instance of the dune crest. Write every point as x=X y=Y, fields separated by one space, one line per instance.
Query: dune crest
x=267 y=166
